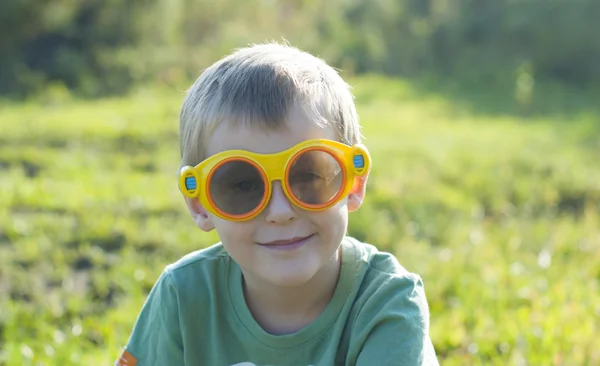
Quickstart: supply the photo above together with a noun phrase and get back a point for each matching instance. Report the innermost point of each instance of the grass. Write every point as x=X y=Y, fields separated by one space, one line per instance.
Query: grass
x=500 y=215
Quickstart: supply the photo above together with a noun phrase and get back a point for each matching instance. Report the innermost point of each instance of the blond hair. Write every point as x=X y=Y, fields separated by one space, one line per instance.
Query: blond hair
x=258 y=85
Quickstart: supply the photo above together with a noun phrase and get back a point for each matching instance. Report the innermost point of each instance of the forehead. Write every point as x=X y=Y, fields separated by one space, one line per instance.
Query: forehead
x=244 y=136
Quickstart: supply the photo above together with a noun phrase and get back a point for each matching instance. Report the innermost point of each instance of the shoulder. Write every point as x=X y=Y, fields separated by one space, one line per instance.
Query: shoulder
x=198 y=258
x=196 y=270
x=380 y=267
x=200 y=264
x=387 y=287
x=182 y=289
x=193 y=278
x=390 y=315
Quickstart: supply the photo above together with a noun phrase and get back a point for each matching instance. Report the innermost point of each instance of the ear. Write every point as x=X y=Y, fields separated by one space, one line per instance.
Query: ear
x=199 y=214
x=357 y=193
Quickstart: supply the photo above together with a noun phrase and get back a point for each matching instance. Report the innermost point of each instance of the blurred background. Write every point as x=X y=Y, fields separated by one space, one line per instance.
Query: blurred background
x=483 y=118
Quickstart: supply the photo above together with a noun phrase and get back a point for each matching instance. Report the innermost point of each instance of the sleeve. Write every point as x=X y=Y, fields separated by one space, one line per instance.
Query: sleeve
x=393 y=326
x=156 y=336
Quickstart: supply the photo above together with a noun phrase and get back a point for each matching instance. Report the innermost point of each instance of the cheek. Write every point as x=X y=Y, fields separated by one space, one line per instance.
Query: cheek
x=233 y=232
x=333 y=220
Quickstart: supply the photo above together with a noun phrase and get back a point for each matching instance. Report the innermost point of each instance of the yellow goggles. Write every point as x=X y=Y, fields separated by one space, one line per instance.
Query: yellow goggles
x=236 y=185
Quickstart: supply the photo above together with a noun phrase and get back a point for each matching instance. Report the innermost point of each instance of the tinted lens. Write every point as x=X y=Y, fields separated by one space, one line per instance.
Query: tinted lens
x=237 y=187
x=315 y=177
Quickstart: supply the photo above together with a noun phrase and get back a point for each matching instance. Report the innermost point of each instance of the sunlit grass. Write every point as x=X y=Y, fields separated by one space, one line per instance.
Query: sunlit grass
x=499 y=214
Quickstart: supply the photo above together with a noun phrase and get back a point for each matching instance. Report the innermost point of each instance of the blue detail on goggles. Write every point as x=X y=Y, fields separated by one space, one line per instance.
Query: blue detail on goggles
x=359 y=161
x=190 y=183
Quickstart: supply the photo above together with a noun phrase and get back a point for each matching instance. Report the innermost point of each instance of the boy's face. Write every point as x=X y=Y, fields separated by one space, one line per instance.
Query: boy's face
x=251 y=243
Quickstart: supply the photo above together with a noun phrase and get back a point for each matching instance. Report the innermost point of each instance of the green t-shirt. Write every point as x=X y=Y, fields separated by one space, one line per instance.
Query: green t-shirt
x=196 y=315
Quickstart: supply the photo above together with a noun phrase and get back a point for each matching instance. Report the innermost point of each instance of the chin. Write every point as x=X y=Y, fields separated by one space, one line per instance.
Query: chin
x=290 y=277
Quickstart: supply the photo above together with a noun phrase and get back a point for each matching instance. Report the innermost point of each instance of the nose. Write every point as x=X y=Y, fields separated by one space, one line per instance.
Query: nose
x=279 y=210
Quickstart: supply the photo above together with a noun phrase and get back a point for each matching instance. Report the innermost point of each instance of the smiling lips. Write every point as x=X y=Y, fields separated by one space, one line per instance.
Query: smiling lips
x=287 y=243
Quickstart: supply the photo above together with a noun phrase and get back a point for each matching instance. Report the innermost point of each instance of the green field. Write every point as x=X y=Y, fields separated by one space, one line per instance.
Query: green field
x=499 y=214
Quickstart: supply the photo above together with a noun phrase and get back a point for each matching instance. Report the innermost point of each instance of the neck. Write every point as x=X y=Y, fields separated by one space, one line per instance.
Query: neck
x=285 y=310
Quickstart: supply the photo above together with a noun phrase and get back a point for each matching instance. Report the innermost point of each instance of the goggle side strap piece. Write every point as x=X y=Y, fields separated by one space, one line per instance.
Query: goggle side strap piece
x=188 y=182
x=361 y=160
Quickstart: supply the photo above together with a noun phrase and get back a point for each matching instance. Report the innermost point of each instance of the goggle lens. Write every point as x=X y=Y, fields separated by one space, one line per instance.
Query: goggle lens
x=315 y=178
x=237 y=187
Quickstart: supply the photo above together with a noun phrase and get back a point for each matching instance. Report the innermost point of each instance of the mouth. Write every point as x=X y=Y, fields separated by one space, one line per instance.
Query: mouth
x=287 y=243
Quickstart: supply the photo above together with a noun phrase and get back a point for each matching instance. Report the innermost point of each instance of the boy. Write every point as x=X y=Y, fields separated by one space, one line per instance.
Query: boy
x=272 y=160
